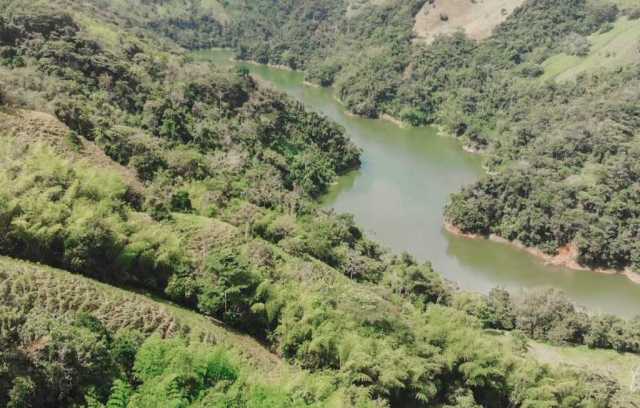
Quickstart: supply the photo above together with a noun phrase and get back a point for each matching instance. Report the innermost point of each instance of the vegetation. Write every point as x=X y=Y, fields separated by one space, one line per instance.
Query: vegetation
x=125 y=162
x=547 y=315
x=575 y=136
x=70 y=341
x=610 y=49
x=565 y=182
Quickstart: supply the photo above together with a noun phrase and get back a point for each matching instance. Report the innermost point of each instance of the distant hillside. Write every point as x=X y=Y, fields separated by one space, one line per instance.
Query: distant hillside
x=476 y=19
x=614 y=48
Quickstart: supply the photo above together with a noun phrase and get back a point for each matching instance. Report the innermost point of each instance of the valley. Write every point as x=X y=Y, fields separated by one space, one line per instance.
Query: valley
x=293 y=228
x=399 y=192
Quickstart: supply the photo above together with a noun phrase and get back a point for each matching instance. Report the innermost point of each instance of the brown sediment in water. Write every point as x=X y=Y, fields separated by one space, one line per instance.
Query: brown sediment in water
x=566 y=256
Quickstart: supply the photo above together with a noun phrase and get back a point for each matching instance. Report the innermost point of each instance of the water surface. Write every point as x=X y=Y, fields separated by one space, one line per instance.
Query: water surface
x=399 y=193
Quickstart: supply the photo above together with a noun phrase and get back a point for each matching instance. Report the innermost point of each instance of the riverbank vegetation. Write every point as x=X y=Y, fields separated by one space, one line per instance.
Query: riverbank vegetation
x=560 y=154
x=126 y=163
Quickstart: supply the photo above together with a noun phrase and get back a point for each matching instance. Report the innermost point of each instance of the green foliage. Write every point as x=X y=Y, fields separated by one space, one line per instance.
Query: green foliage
x=53 y=362
x=119 y=397
x=210 y=205
x=231 y=292
x=554 y=173
x=75 y=216
x=19 y=395
x=171 y=373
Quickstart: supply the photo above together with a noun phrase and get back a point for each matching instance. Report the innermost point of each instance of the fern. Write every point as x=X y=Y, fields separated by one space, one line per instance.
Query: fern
x=120 y=393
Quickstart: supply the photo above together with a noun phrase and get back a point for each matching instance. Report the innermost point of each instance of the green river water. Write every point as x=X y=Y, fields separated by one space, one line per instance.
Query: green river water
x=398 y=196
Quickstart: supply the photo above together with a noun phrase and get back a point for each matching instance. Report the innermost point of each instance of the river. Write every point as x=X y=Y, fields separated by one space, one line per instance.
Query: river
x=398 y=196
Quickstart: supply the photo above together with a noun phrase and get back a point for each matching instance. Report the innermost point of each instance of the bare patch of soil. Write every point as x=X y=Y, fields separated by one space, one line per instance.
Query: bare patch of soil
x=477 y=18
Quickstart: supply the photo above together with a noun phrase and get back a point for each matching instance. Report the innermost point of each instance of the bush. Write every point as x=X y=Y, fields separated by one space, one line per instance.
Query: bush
x=181 y=202
x=633 y=13
x=549 y=315
x=576 y=44
x=230 y=291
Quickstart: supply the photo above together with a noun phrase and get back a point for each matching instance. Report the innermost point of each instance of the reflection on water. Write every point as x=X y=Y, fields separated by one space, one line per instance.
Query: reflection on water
x=399 y=193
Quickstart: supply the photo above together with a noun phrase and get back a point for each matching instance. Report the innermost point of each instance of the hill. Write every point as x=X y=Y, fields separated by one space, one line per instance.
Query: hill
x=195 y=188
x=488 y=93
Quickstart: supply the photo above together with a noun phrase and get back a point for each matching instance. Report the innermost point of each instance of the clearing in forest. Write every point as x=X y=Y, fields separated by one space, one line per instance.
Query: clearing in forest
x=477 y=18
x=614 y=48
x=621 y=366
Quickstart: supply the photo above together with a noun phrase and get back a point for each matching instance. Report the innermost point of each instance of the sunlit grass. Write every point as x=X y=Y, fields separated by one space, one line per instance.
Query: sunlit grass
x=610 y=362
x=616 y=47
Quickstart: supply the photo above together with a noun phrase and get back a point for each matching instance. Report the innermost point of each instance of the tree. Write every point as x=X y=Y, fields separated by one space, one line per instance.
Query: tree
x=500 y=309
x=242 y=71
x=120 y=394
x=21 y=392
x=312 y=172
x=230 y=291
x=546 y=314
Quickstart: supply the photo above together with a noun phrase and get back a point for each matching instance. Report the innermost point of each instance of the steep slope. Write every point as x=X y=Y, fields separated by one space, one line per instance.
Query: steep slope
x=30 y=127
x=25 y=285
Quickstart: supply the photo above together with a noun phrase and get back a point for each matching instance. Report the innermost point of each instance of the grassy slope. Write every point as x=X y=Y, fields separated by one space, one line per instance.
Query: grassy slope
x=60 y=292
x=355 y=6
x=29 y=127
x=477 y=18
x=618 y=365
x=608 y=50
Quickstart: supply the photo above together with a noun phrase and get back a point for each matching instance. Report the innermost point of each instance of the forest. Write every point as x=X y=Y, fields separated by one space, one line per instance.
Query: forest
x=560 y=155
x=162 y=242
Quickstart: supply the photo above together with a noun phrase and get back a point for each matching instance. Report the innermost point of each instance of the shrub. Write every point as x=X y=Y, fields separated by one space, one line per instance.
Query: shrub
x=633 y=13
x=576 y=44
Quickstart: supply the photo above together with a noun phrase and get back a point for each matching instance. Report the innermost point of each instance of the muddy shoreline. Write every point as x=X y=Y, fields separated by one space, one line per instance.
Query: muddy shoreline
x=566 y=257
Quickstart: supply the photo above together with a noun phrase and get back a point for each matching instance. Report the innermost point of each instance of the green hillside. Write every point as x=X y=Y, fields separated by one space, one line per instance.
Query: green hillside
x=614 y=48
x=491 y=94
x=60 y=294
x=189 y=191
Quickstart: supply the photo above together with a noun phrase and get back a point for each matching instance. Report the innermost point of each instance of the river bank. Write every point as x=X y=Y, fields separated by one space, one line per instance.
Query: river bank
x=406 y=178
x=567 y=256
x=275 y=66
